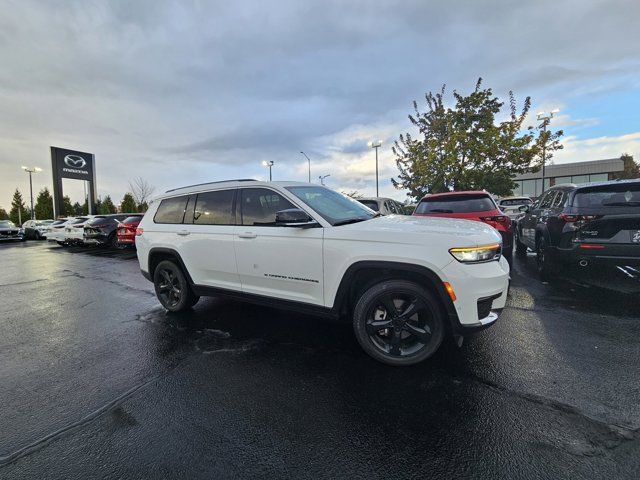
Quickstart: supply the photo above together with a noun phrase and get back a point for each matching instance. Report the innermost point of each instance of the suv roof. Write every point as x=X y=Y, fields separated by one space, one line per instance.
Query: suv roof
x=231 y=183
x=446 y=194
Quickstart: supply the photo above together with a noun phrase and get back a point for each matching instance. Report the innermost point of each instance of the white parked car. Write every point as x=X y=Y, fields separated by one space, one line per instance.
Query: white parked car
x=74 y=231
x=405 y=282
x=36 y=229
x=58 y=232
x=511 y=206
x=386 y=206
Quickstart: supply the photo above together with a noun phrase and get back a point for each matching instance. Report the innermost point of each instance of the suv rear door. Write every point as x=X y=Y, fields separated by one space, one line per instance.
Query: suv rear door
x=277 y=261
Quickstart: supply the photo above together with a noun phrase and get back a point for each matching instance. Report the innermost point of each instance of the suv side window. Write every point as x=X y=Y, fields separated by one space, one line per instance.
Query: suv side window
x=547 y=200
x=259 y=206
x=171 y=210
x=215 y=208
x=559 y=200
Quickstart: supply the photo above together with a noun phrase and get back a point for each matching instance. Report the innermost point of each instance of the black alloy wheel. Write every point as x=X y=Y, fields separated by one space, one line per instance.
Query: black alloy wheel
x=172 y=288
x=398 y=323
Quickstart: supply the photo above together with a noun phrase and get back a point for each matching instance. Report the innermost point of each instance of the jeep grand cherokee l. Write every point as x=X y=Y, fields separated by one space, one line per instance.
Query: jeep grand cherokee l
x=404 y=281
x=590 y=231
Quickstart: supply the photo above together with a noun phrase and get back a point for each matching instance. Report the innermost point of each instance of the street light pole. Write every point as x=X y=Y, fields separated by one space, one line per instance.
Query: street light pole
x=268 y=164
x=309 y=162
x=322 y=177
x=377 y=144
x=545 y=118
x=30 y=171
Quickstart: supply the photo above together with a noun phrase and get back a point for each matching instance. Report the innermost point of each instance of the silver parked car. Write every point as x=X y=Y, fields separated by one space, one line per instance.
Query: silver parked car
x=10 y=231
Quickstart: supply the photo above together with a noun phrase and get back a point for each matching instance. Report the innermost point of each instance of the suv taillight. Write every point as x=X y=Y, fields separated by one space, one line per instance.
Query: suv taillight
x=576 y=218
x=503 y=219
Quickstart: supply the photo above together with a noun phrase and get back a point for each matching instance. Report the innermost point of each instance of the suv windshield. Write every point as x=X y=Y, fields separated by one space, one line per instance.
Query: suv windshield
x=334 y=207
x=6 y=224
x=455 y=204
x=615 y=195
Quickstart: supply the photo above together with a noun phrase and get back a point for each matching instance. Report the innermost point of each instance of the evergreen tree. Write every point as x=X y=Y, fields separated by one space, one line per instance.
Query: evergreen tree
x=99 y=207
x=3 y=214
x=44 y=205
x=108 y=205
x=631 y=168
x=143 y=207
x=76 y=209
x=128 y=204
x=18 y=212
x=67 y=208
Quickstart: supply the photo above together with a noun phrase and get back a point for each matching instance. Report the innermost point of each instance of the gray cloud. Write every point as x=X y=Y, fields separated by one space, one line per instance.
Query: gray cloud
x=211 y=87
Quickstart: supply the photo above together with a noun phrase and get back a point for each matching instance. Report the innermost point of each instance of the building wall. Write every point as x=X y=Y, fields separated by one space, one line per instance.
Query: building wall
x=533 y=187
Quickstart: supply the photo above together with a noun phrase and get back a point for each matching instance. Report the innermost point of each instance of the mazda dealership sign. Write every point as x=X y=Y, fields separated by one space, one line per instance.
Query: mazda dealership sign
x=72 y=164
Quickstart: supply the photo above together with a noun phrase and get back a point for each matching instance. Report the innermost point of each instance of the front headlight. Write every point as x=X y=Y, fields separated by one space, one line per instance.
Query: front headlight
x=484 y=253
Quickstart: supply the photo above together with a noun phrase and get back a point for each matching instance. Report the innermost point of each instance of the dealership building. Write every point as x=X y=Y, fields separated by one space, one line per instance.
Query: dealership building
x=530 y=184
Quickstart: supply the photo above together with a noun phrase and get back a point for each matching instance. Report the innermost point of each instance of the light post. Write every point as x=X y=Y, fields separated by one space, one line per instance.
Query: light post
x=31 y=171
x=545 y=118
x=268 y=164
x=309 y=162
x=377 y=144
x=322 y=177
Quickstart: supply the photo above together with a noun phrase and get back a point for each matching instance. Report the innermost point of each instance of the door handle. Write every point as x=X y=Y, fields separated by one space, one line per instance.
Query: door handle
x=247 y=235
x=184 y=232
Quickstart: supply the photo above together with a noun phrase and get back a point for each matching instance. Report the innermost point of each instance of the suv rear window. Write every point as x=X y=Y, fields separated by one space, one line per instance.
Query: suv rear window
x=171 y=210
x=515 y=201
x=133 y=219
x=456 y=204
x=615 y=195
x=96 y=220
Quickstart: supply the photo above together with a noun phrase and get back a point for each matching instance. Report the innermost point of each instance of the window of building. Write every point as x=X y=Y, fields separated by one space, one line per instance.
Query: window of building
x=580 y=179
x=215 y=208
x=598 y=177
x=563 y=180
x=171 y=210
x=259 y=206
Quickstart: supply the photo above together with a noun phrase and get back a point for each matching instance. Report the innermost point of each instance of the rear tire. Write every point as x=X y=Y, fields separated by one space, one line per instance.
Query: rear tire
x=172 y=287
x=398 y=323
x=542 y=261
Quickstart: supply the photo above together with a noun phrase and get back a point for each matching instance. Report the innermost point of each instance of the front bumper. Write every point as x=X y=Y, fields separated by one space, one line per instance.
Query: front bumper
x=481 y=293
x=11 y=237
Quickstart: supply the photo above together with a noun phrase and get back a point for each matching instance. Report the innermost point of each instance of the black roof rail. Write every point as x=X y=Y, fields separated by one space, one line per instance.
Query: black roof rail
x=211 y=183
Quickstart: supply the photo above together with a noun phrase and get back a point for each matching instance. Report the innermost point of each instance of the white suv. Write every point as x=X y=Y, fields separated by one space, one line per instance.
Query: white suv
x=404 y=281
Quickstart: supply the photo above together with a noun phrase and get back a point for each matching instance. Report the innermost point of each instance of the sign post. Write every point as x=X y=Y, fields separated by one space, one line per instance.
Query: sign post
x=76 y=165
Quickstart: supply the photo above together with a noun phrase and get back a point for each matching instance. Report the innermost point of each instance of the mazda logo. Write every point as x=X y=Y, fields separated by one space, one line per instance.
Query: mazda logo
x=75 y=161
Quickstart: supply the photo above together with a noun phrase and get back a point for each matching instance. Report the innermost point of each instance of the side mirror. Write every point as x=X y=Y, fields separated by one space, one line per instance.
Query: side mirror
x=294 y=217
x=523 y=208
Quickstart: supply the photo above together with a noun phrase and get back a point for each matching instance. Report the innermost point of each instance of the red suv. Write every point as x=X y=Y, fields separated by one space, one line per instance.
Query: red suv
x=472 y=205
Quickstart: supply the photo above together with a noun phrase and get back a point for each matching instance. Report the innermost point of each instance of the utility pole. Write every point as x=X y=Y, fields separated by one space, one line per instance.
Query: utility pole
x=377 y=144
x=30 y=171
x=309 y=162
x=546 y=119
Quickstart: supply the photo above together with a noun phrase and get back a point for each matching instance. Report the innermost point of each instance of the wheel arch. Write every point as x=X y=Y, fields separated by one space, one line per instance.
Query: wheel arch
x=158 y=254
x=364 y=274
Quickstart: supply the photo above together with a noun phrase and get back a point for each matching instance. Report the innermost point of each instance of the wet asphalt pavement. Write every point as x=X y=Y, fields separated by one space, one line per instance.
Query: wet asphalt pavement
x=97 y=381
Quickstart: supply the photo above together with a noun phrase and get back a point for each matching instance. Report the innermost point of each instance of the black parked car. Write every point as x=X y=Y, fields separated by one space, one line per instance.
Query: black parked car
x=591 y=231
x=101 y=229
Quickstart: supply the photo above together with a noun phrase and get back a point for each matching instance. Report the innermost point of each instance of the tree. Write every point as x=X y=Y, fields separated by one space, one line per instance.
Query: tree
x=44 y=205
x=3 y=214
x=143 y=207
x=108 y=206
x=67 y=208
x=141 y=190
x=77 y=209
x=18 y=212
x=631 y=168
x=128 y=204
x=465 y=148
x=99 y=209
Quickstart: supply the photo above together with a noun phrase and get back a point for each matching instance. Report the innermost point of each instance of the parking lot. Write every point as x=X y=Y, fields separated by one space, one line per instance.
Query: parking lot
x=98 y=381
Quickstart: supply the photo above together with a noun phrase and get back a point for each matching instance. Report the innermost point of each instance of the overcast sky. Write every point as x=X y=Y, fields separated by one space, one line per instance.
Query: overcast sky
x=186 y=92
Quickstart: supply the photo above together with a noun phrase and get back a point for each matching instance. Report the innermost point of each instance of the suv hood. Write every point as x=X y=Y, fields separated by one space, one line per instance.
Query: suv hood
x=417 y=230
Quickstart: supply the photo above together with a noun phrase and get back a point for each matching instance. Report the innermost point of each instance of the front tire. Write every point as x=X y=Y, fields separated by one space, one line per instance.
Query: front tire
x=542 y=261
x=521 y=248
x=172 y=287
x=398 y=323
